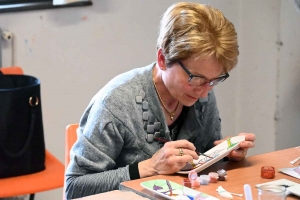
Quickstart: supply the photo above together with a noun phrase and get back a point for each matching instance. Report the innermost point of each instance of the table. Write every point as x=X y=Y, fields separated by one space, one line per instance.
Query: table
x=239 y=173
x=114 y=195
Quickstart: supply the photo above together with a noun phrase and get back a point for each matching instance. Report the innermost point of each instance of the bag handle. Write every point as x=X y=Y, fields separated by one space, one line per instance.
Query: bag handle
x=33 y=103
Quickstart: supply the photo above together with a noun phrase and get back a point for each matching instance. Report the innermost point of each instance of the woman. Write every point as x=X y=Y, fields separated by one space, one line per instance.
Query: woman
x=120 y=133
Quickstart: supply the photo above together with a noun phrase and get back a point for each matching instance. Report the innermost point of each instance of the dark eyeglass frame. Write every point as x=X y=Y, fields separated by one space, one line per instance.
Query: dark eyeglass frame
x=211 y=82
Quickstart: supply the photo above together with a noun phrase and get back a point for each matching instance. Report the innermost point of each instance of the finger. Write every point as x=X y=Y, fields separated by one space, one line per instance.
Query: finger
x=238 y=154
x=222 y=140
x=180 y=152
x=241 y=153
x=249 y=136
x=246 y=144
x=178 y=158
x=181 y=144
x=186 y=145
x=182 y=159
x=192 y=154
x=217 y=142
x=184 y=152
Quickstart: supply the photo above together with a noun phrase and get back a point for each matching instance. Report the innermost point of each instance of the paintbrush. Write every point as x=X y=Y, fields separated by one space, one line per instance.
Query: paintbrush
x=199 y=153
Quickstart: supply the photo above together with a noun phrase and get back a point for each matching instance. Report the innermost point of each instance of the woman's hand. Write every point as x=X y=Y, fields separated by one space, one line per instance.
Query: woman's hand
x=240 y=153
x=168 y=159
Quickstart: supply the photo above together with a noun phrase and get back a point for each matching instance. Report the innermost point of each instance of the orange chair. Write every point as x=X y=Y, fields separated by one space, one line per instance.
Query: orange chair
x=50 y=178
x=12 y=70
x=70 y=139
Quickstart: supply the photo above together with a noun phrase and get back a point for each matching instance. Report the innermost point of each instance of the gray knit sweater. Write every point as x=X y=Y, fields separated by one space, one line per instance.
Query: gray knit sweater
x=114 y=127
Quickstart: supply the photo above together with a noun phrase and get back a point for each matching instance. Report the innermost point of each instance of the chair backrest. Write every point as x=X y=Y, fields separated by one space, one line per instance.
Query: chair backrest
x=12 y=70
x=48 y=179
x=70 y=139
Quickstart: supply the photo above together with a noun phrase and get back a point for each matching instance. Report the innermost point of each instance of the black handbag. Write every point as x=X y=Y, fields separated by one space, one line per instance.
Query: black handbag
x=22 y=145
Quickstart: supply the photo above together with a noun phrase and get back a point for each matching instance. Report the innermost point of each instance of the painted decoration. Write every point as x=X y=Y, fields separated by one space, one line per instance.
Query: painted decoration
x=215 y=154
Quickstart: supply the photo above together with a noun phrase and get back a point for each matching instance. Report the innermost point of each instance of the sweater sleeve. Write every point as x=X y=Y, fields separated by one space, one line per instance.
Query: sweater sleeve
x=111 y=136
x=95 y=164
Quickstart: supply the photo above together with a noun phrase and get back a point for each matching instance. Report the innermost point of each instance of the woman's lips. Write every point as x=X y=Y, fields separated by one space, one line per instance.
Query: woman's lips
x=193 y=98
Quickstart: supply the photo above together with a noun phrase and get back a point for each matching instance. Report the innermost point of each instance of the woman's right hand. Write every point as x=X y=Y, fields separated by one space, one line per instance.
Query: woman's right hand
x=168 y=160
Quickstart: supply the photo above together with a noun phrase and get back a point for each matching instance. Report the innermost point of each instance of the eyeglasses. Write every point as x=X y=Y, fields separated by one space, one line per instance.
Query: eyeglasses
x=196 y=80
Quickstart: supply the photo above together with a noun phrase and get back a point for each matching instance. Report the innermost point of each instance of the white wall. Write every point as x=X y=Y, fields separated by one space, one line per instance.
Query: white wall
x=259 y=27
x=75 y=51
x=288 y=109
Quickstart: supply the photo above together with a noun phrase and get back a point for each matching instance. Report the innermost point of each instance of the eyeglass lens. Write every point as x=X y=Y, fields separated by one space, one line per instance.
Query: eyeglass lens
x=197 y=81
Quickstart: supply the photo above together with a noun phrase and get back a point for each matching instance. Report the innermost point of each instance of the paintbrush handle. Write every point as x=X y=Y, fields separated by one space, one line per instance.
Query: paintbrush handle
x=163 y=140
x=204 y=155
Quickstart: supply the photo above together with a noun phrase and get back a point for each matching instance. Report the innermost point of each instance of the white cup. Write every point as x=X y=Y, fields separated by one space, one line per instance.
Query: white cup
x=274 y=192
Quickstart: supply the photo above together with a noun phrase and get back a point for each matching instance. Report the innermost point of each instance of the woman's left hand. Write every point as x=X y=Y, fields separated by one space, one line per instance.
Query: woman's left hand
x=240 y=153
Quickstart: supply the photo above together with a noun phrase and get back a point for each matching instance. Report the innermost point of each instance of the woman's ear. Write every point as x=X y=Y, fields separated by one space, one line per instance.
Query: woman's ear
x=161 y=61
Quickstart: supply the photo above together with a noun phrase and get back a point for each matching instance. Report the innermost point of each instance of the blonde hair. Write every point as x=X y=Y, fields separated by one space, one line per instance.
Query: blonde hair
x=188 y=29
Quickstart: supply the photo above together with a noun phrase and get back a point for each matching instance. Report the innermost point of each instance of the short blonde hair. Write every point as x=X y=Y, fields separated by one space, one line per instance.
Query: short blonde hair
x=188 y=29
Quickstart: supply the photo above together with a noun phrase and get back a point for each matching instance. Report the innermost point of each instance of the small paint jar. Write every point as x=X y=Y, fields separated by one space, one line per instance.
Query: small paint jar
x=193 y=178
x=222 y=178
x=213 y=177
x=204 y=179
x=196 y=183
x=187 y=183
x=193 y=175
x=267 y=172
x=222 y=172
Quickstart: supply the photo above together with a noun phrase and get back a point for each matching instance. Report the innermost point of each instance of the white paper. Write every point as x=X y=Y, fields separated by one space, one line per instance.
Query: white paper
x=293 y=171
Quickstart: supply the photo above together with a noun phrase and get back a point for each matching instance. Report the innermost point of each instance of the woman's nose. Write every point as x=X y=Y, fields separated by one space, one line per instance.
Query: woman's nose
x=202 y=91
